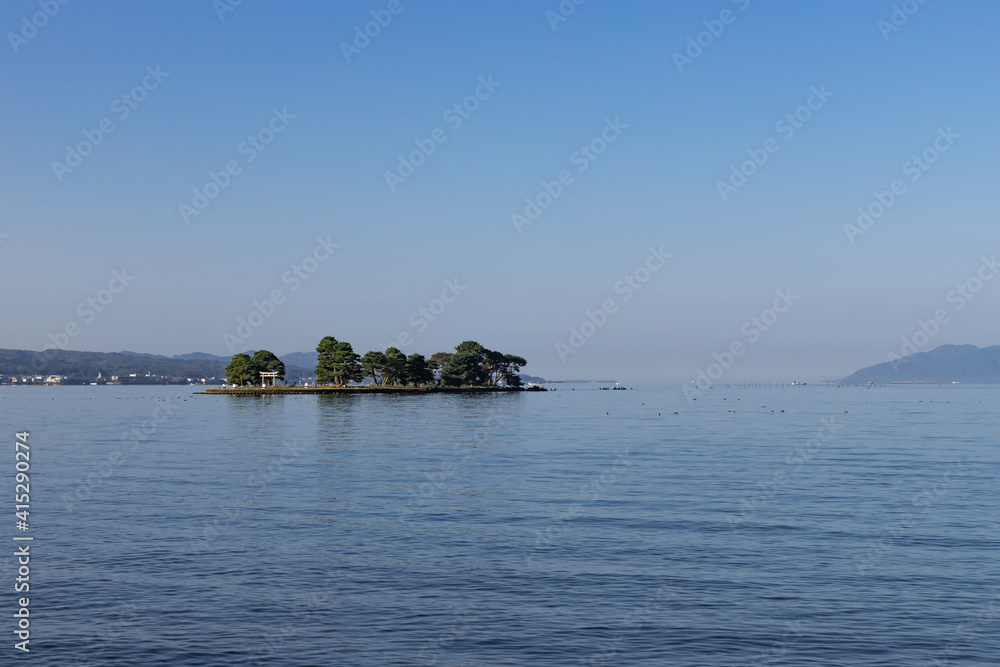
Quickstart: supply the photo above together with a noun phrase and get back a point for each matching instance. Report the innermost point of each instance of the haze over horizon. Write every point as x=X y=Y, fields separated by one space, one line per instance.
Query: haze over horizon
x=614 y=124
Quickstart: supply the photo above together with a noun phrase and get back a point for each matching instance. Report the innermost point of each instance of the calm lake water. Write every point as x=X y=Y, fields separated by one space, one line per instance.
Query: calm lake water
x=575 y=527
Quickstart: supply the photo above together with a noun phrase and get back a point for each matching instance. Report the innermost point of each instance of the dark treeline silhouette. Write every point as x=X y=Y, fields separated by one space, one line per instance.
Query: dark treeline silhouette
x=470 y=365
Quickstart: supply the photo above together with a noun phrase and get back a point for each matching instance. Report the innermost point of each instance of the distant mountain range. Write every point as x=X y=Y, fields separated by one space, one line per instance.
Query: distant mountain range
x=946 y=364
x=303 y=359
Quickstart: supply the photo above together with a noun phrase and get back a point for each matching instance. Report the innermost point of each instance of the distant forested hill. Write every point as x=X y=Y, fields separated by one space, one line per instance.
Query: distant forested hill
x=302 y=359
x=84 y=366
x=948 y=363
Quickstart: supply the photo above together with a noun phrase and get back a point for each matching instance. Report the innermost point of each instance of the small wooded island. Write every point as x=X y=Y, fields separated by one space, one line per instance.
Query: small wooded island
x=339 y=369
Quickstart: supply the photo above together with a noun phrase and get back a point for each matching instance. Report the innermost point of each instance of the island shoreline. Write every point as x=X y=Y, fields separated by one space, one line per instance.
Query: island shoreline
x=268 y=391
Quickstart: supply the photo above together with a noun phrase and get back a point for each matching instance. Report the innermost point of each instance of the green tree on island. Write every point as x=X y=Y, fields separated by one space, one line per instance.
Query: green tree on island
x=240 y=370
x=474 y=365
x=440 y=359
x=418 y=372
x=466 y=367
x=244 y=370
x=264 y=360
x=503 y=368
x=337 y=363
x=373 y=365
x=394 y=371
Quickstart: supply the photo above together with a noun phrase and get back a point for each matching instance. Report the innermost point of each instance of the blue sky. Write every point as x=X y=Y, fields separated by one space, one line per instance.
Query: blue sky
x=344 y=124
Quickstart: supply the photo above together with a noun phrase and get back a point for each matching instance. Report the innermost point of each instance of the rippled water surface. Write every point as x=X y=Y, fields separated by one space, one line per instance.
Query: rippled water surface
x=574 y=527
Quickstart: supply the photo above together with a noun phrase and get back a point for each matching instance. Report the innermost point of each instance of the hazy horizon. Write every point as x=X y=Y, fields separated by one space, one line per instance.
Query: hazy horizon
x=514 y=171
x=726 y=379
